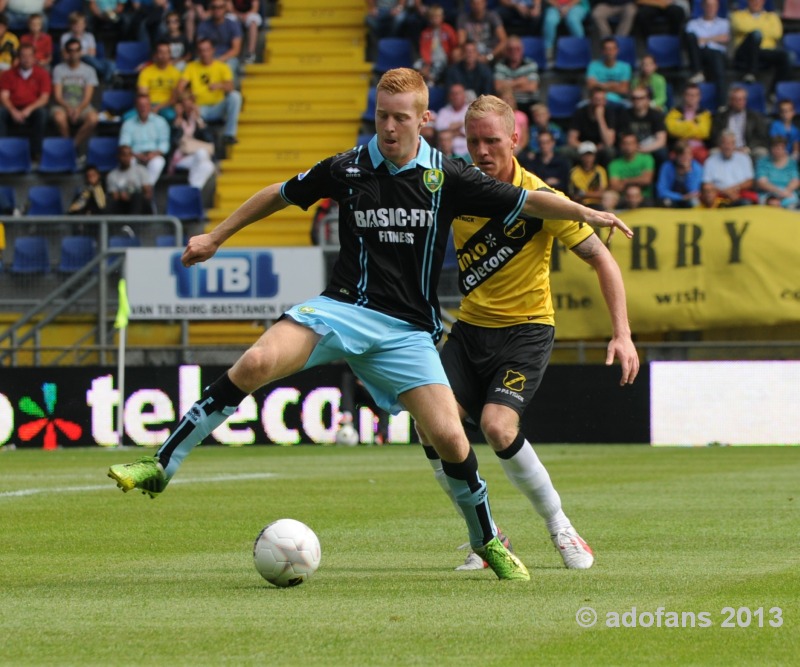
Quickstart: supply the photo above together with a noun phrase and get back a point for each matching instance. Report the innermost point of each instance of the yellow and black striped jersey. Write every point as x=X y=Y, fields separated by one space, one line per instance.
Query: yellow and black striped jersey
x=504 y=270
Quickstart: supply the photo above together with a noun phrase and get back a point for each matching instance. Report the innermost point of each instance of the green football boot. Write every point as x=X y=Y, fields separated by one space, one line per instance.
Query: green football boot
x=504 y=564
x=145 y=474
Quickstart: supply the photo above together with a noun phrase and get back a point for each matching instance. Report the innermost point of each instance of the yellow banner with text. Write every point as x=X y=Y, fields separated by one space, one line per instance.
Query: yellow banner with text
x=688 y=270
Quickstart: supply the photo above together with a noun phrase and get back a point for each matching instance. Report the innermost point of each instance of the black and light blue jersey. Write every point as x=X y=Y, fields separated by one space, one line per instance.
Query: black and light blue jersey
x=394 y=224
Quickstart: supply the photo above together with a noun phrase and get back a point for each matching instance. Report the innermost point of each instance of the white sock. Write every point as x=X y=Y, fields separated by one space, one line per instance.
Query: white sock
x=438 y=473
x=526 y=472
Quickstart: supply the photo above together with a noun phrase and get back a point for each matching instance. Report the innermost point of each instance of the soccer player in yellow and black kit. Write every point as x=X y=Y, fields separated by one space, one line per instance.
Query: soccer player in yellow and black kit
x=498 y=350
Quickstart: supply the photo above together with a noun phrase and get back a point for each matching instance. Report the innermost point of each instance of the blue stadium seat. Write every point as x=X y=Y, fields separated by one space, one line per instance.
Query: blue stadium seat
x=8 y=199
x=666 y=49
x=450 y=258
x=709 y=95
x=437 y=97
x=31 y=255
x=15 y=155
x=533 y=48
x=627 y=49
x=393 y=52
x=363 y=139
x=76 y=252
x=165 y=241
x=184 y=202
x=563 y=99
x=102 y=152
x=756 y=97
x=58 y=156
x=117 y=102
x=58 y=15
x=572 y=53
x=369 y=112
x=789 y=90
x=124 y=241
x=130 y=55
x=791 y=42
x=45 y=200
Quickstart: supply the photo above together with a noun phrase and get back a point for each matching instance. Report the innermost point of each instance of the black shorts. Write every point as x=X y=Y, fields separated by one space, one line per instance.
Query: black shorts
x=502 y=366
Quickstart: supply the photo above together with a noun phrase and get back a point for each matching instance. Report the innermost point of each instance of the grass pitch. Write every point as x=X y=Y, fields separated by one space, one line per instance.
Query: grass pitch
x=93 y=577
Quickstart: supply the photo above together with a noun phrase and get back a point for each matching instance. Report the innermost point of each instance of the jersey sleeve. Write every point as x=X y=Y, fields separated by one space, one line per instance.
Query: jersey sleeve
x=483 y=196
x=309 y=186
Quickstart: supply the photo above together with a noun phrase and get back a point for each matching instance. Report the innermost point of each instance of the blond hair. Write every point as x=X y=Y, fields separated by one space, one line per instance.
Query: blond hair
x=405 y=80
x=485 y=105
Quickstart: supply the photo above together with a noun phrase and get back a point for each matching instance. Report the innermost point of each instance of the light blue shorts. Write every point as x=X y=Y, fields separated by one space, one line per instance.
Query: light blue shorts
x=388 y=355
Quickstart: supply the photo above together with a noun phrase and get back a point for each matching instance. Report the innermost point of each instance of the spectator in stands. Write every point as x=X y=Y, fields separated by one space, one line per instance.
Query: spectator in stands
x=437 y=45
x=624 y=10
x=24 y=93
x=516 y=74
x=128 y=187
x=595 y=122
x=649 y=77
x=211 y=83
x=647 y=123
x=484 y=28
x=522 y=126
x=689 y=122
x=679 y=179
x=631 y=167
x=91 y=198
x=571 y=12
x=633 y=197
x=551 y=168
x=653 y=13
x=148 y=136
x=77 y=29
x=112 y=17
x=609 y=200
x=706 y=38
x=248 y=13
x=41 y=41
x=195 y=147
x=148 y=16
x=731 y=172
x=18 y=12
x=74 y=83
x=610 y=74
x=588 y=180
x=520 y=17
x=785 y=126
x=450 y=118
x=757 y=42
x=711 y=198
x=196 y=11
x=225 y=34
x=9 y=45
x=475 y=76
x=159 y=81
x=180 y=48
x=748 y=126
x=777 y=177
x=540 y=122
x=385 y=18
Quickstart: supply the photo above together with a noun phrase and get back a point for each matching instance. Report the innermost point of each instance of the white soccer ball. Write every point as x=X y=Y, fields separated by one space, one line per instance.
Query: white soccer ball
x=286 y=553
x=347 y=435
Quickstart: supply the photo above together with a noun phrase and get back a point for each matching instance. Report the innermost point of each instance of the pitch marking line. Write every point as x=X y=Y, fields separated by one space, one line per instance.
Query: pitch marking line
x=100 y=487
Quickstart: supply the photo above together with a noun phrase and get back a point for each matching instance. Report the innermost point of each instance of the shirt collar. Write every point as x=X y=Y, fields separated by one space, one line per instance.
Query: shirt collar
x=423 y=158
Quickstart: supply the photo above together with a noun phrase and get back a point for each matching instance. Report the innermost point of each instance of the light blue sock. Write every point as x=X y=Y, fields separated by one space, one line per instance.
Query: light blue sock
x=472 y=497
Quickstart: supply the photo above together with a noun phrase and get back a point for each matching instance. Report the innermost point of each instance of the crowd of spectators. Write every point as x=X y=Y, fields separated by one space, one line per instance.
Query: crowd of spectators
x=638 y=136
x=186 y=94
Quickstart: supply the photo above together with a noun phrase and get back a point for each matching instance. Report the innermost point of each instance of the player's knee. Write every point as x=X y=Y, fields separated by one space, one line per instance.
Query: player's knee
x=259 y=363
x=498 y=434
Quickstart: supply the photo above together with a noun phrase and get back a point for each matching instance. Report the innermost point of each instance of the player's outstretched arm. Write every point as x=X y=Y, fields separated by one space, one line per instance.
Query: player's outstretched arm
x=261 y=205
x=552 y=207
x=621 y=346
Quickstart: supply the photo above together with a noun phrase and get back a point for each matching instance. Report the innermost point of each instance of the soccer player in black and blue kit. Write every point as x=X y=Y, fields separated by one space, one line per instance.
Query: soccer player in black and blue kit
x=379 y=311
